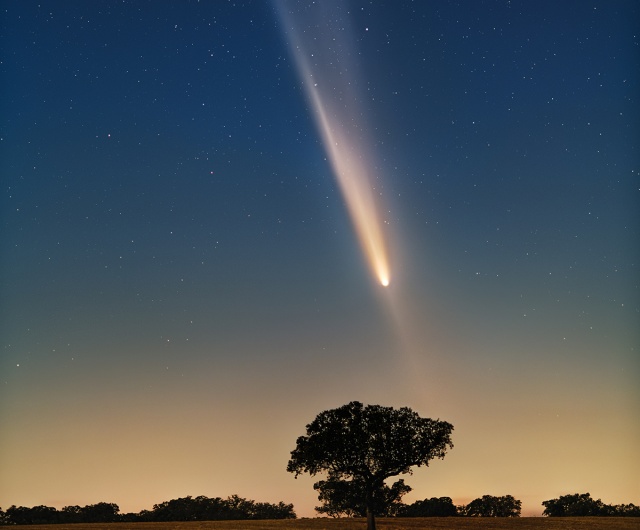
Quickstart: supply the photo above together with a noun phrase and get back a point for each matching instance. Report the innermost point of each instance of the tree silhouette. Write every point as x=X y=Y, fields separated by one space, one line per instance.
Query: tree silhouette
x=205 y=509
x=434 y=507
x=35 y=515
x=102 y=512
x=578 y=504
x=582 y=504
x=346 y=497
x=185 y=509
x=369 y=444
x=490 y=506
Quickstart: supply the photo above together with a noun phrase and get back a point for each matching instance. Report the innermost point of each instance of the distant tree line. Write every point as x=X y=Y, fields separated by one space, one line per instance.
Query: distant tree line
x=236 y=508
x=217 y=509
x=103 y=512
x=581 y=504
x=434 y=507
x=343 y=499
x=485 y=506
x=185 y=509
x=576 y=505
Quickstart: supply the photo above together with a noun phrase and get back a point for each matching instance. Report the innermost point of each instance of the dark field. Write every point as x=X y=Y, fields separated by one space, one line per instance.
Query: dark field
x=441 y=523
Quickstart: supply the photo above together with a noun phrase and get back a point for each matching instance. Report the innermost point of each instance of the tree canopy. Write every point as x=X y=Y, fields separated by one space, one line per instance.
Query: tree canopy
x=184 y=509
x=368 y=445
x=582 y=504
x=490 y=506
x=434 y=507
x=346 y=497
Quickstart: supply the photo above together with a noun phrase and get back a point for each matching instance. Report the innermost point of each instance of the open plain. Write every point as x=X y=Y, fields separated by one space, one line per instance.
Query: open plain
x=436 y=523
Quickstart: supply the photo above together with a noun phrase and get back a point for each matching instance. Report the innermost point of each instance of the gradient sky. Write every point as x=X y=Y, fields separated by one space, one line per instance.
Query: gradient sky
x=183 y=289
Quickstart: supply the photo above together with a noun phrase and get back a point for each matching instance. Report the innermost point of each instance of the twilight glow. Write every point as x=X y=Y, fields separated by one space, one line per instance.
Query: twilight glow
x=329 y=86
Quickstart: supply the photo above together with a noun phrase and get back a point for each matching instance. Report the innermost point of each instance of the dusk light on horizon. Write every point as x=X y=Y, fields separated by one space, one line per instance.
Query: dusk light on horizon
x=220 y=218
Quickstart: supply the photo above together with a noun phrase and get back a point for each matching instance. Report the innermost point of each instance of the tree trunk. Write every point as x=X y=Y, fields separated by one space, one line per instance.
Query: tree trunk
x=371 y=518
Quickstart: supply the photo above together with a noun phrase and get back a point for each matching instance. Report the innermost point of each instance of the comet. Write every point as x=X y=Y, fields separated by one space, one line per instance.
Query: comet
x=320 y=44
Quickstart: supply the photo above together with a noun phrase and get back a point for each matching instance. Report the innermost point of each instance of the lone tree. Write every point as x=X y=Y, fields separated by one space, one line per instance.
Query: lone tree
x=363 y=446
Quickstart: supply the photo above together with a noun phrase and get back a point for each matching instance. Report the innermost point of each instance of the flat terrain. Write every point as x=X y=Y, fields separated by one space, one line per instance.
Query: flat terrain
x=437 y=523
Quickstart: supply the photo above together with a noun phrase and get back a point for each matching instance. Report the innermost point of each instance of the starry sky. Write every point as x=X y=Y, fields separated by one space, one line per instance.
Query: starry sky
x=183 y=287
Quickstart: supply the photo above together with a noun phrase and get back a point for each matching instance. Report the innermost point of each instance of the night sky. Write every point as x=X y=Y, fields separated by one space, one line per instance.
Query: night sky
x=183 y=287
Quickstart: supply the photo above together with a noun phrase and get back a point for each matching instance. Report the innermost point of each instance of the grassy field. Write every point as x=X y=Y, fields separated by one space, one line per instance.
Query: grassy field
x=436 y=523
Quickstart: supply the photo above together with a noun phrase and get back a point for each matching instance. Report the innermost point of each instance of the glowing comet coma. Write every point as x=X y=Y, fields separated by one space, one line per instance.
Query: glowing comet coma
x=322 y=61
